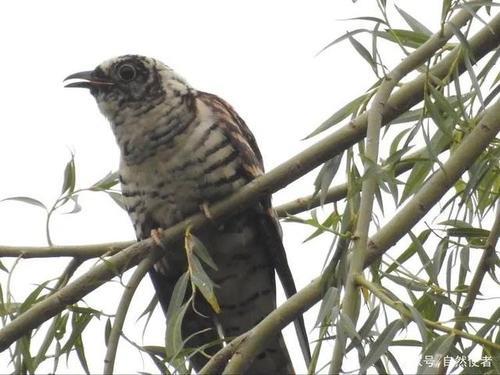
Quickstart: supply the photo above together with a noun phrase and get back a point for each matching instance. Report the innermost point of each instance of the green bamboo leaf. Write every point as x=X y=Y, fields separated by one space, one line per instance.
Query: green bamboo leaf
x=439 y=255
x=76 y=206
x=468 y=232
x=427 y=308
x=405 y=343
x=372 y=19
x=410 y=251
x=419 y=321
x=202 y=252
x=434 y=354
x=408 y=116
x=173 y=338
x=176 y=311
x=338 y=116
x=107 y=331
x=27 y=200
x=203 y=283
x=473 y=78
x=325 y=177
x=78 y=324
x=178 y=295
x=329 y=301
x=421 y=169
x=380 y=346
x=366 y=328
x=33 y=297
x=80 y=352
x=118 y=199
x=107 y=182
x=347 y=326
x=424 y=258
x=405 y=37
x=394 y=362
x=363 y=52
x=341 y=38
x=415 y=25
x=69 y=177
x=395 y=142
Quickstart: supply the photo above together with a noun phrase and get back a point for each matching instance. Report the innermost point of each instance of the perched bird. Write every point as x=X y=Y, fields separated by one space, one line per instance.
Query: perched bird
x=182 y=149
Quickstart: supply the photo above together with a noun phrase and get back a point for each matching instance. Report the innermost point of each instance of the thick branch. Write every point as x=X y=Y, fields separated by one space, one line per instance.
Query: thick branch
x=409 y=94
x=293 y=207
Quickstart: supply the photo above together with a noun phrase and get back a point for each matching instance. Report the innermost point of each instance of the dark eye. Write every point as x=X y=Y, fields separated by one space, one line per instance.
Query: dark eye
x=126 y=72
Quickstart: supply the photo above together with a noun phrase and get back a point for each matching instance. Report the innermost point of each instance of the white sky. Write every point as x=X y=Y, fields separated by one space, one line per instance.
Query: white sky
x=258 y=55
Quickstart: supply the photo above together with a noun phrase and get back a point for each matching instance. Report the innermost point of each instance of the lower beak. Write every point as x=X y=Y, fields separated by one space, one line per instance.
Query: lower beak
x=89 y=80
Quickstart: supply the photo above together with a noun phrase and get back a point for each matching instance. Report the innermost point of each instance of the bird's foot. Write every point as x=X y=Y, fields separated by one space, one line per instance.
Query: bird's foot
x=156 y=236
x=206 y=211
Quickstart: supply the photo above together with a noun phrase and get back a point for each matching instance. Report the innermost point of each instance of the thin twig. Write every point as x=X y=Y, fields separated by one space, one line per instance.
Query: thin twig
x=79 y=251
x=121 y=312
x=69 y=271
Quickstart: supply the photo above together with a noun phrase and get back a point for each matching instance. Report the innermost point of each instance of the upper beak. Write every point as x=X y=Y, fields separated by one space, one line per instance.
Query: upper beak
x=89 y=80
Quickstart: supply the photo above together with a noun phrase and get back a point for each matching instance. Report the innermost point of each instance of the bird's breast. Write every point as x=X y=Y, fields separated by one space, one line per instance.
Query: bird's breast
x=199 y=166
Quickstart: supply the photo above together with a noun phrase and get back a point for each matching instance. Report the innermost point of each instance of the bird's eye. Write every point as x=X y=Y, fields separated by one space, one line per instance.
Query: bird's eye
x=126 y=72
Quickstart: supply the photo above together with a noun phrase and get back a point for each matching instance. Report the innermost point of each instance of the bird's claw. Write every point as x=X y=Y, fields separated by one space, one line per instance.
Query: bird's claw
x=156 y=236
x=205 y=210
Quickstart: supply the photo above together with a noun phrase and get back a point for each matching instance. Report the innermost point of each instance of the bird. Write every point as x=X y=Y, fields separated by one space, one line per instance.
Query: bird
x=181 y=150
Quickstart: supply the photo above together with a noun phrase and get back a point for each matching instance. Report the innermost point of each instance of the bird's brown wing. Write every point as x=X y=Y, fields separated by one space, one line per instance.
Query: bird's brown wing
x=268 y=225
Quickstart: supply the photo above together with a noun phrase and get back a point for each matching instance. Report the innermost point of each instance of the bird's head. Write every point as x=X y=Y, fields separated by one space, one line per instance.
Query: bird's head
x=128 y=83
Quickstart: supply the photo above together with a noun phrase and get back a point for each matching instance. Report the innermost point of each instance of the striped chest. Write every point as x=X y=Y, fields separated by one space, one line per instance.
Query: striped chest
x=167 y=173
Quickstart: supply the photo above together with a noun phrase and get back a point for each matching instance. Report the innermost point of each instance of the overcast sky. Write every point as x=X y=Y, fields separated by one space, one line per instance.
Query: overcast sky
x=258 y=55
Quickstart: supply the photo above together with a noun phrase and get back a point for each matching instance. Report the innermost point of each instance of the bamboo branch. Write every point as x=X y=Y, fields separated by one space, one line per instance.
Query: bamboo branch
x=121 y=312
x=485 y=263
x=350 y=301
x=400 y=307
x=295 y=206
x=408 y=95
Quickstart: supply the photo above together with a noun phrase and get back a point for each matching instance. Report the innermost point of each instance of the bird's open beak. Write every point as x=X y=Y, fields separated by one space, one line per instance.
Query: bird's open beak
x=89 y=80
